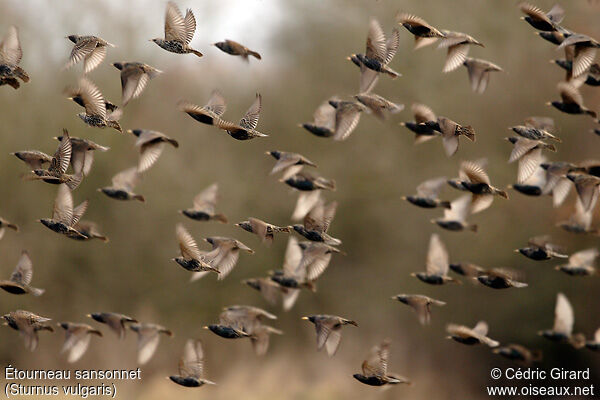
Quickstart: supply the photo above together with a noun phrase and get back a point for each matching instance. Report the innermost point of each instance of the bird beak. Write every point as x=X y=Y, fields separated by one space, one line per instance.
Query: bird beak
x=548 y=103
x=129 y=131
x=89 y=315
x=516 y=251
x=205 y=327
x=403 y=197
x=432 y=221
x=413 y=274
x=305 y=318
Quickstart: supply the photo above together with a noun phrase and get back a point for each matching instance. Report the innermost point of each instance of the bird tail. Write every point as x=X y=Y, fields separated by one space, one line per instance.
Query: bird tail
x=139 y=197
x=20 y=72
x=473 y=228
x=328 y=184
x=102 y=238
x=536 y=355
x=591 y=113
x=501 y=193
x=445 y=204
x=196 y=53
x=254 y=54
x=391 y=72
x=12 y=82
x=468 y=131
x=13 y=227
x=37 y=292
x=221 y=218
x=577 y=340
x=173 y=142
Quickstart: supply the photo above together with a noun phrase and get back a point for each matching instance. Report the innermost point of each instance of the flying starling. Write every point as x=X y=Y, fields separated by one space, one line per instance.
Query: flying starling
x=134 y=78
x=116 y=322
x=191 y=366
x=347 y=115
x=5 y=224
x=33 y=158
x=571 y=100
x=540 y=248
x=418 y=27
x=580 y=263
x=179 y=31
x=226 y=253
x=500 y=279
x=423 y=131
x=204 y=205
x=329 y=331
x=536 y=184
x=564 y=318
x=557 y=183
x=427 y=194
x=591 y=77
x=295 y=274
x=64 y=216
x=306 y=182
x=191 y=257
x=90 y=49
x=246 y=128
x=374 y=368
x=436 y=264
x=529 y=154
x=323 y=124
x=10 y=57
x=586 y=187
x=458 y=45
x=580 y=221
x=519 y=353
x=77 y=339
x=289 y=163
x=379 y=53
x=262 y=229
x=540 y=20
x=455 y=217
x=123 y=184
x=377 y=105
x=450 y=131
x=420 y=304
x=96 y=112
x=467 y=269
x=208 y=113
x=28 y=324
x=236 y=49
x=316 y=223
x=151 y=145
x=82 y=154
x=20 y=279
x=473 y=178
x=305 y=202
x=479 y=73
x=584 y=52
x=148 y=339
x=468 y=336
x=272 y=291
x=532 y=133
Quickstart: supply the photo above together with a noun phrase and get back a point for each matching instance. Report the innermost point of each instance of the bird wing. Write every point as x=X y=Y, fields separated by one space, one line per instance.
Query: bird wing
x=368 y=80
x=78 y=212
x=10 y=48
x=292 y=257
x=315 y=260
x=306 y=201
x=556 y=14
x=422 y=113
x=376 y=44
x=570 y=94
x=190 y=26
x=76 y=343
x=81 y=49
x=583 y=258
x=324 y=115
x=126 y=179
x=431 y=187
x=93 y=100
x=436 y=262
x=94 y=58
x=377 y=360
x=346 y=120
x=455 y=57
x=62 y=156
x=285 y=161
x=63 y=205
x=481 y=328
x=149 y=154
x=584 y=58
x=250 y=120
x=147 y=344
x=23 y=272
x=187 y=244
x=207 y=199
x=175 y=27
x=391 y=46
x=563 y=315
x=473 y=172
x=216 y=103
x=133 y=82
x=192 y=361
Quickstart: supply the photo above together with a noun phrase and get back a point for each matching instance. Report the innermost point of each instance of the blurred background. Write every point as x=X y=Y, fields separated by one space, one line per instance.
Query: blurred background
x=304 y=45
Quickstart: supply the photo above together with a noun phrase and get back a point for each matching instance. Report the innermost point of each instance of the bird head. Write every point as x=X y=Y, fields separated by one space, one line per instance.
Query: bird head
x=401 y=298
x=118 y=65
x=73 y=38
x=310 y=318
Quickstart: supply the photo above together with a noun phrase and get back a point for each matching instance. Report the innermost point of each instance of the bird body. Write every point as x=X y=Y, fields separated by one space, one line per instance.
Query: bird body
x=236 y=49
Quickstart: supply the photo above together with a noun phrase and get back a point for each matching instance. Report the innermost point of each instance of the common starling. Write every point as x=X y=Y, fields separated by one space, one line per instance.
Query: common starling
x=540 y=123
x=587 y=187
x=236 y=49
x=116 y=322
x=272 y=291
x=536 y=184
x=82 y=154
x=450 y=131
x=262 y=229
x=305 y=202
x=427 y=194
x=96 y=113
x=584 y=52
x=580 y=263
x=90 y=49
x=540 y=248
x=123 y=184
x=64 y=216
x=5 y=224
x=595 y=343
x=134 y=78
x=374 y=368
x=323 y=124
x=246 y=321
x=28 y=324
x=226 y=254
x=556 y=181
x=479 y=73
x=246 y=128
x=57 y=170
x=306 y=182
x=529 y=154
x=519 y=353
x=458 y=45
x=191 y=366
x=418 y=27
x=33 y=158
x=473 y=178
x=455 y=217
x=562 y=331
x=77 y=339
x=10 y=57
x=329 y=331
x=590 y=78
x=316 y=223
x=420 y=304
x=208 y=113
x=500 y=279
x=289 y=163
x=540 y=20
x=436 y=264
x=291 y=276
x=151 y=145
x=179 y=31
x=467 y=269
x=468 y=336
x=379 y=53
x=347 y=115
x=571 y=100
x=580 y=221
x=148 y=339
x=20 y=279
x=423 y=131
x=377 y=104
x=204 y=205
x=191 y=257
x=532 y=133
